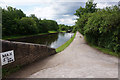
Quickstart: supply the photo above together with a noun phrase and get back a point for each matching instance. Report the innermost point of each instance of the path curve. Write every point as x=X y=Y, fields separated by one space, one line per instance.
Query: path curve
x=78 y=60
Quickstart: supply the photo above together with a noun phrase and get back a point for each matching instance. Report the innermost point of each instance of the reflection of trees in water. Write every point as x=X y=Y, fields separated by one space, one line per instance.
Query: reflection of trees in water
x=42 y=39
x=47 y=40
x=62 y=34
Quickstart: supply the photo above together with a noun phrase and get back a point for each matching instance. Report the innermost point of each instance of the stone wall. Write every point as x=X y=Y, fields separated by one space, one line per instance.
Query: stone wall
x=26 y=53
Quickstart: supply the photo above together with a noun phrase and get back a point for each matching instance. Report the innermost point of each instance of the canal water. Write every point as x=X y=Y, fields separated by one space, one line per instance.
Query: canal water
x=53 y=40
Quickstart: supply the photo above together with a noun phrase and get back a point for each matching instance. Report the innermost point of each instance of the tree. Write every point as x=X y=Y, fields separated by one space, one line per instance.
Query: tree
x=84 y=14
x=15 y=22
x=10 y=16
x=63 y=27
x=89 y=8
x=27 y=26
x=48 y=25
x=44 y=26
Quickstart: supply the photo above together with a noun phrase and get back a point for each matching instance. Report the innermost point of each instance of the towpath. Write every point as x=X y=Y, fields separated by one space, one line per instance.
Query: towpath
x=78 y=60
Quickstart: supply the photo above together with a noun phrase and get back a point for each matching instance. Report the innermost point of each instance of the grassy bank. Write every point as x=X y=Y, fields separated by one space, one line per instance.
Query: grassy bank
x=21 y=36
x=52 y=31
x=106 y=51
x=61 y=48
x=62 y=31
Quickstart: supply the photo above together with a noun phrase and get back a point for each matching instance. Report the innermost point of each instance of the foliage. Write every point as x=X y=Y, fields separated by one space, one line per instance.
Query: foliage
x=106 y=51
x=15 y=22
x=81 y=22
x=74 y=29
x=63 y=27
x=48 y=25
x=100 y=27
x=89 y=8
x=84 y=14
x=103 y=29
x=9 y=20
x=27 y=25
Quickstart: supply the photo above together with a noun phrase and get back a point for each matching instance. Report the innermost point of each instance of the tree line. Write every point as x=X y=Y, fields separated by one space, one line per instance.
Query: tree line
x=15 y=22
x=101 y=27
x=63 y=27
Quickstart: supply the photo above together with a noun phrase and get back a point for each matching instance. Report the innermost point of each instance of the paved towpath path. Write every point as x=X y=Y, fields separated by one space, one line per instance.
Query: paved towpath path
x=78 y=60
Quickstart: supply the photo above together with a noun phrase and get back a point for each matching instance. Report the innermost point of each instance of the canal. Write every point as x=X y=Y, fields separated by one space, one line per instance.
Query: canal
x=53 y=40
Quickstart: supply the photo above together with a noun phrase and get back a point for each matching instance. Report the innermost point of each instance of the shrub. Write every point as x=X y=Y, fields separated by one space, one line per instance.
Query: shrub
x=103 y=29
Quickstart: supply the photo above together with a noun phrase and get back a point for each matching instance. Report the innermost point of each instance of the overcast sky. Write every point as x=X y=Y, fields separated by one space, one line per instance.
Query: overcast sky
x=60 y=10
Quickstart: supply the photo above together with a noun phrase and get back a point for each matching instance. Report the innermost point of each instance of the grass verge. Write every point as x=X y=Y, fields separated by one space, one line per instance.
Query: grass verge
x=61 y=48
x=22 y=36
x=62 y=31
x=52 y=31
x=106 y=51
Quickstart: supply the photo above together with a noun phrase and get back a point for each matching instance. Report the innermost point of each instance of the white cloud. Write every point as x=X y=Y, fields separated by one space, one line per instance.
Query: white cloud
x=103 y=5
x=25 y=2
x=46 y=12
x=55 y=11
x=66 y=15
x=106 y=0
x=87 y=0
x=69 y=20
x=60 y=10
x=50 y=11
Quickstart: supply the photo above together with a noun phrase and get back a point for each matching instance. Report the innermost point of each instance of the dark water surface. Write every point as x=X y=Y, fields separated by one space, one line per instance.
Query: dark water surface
x=52 y=40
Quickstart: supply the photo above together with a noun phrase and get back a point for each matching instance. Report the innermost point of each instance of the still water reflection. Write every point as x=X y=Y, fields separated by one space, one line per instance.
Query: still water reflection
x=52 y=40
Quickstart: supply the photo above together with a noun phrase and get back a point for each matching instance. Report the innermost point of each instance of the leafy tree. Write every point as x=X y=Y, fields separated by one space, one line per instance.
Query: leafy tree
x=100 y=27
x=39 y=26
x=74 y=29
x=81 y=22
x=89 y=8
x=52 y=25
x=63 y=27
x=27 y=26
x=15 y=22
x=84 y=14
x=10 y=16
x=44 y=26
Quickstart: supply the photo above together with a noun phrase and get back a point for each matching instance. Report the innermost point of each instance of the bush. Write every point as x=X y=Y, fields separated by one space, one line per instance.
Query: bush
x=103 y=29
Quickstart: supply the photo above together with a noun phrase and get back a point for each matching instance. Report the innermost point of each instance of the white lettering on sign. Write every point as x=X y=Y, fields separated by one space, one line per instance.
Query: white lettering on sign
x=7 y=57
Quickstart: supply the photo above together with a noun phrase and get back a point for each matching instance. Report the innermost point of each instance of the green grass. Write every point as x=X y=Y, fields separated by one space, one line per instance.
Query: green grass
x=61 y=48
x=106 y=51
x=52 y=31
x=22 y=36
x=62 y=31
